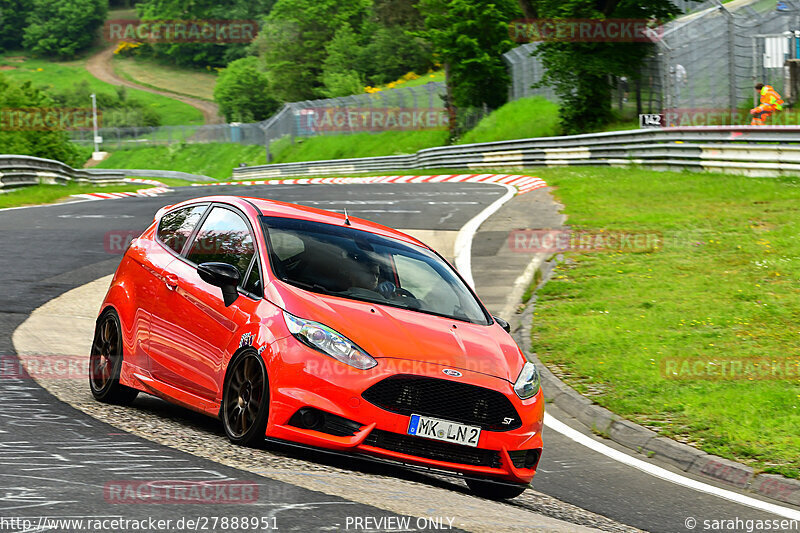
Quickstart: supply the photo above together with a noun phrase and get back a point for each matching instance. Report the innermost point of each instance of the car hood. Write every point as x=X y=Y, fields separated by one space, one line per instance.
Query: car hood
x=389 y=332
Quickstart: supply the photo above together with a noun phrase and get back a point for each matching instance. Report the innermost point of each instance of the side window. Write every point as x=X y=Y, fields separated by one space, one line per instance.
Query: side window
x=175 y=227
x=225 y=238
x=253 y=282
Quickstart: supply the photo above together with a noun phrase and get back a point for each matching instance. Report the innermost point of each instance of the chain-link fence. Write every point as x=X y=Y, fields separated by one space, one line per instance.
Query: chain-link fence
x=704 y=65
x=401 y=108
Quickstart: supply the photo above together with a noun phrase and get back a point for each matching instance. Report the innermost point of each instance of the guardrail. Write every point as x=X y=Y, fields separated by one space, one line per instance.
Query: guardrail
x=750 y=150
x=22 y=170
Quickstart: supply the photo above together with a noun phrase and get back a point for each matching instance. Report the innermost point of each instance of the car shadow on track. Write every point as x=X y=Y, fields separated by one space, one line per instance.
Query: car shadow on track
x=157 y=407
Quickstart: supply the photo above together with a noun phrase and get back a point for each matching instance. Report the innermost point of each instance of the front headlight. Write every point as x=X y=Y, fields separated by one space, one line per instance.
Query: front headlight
x=328 y=341
x=527 y=384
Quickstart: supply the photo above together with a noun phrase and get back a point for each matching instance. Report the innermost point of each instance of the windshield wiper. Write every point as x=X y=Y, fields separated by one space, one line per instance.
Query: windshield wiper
x=313 y=287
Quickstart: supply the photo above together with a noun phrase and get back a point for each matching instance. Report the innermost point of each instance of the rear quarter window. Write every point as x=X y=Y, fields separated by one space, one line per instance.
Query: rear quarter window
x=175 y=227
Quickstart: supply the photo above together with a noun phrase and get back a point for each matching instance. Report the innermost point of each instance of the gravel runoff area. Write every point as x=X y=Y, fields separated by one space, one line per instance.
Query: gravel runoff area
x=64 y=326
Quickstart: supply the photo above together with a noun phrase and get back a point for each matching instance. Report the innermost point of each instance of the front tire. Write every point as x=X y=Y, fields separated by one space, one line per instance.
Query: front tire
x=495 y=491
x=245 y=400
x=105 y=362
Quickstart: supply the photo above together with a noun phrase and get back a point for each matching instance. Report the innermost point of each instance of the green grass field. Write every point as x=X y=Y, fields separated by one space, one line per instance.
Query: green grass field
x=156 y=75
x=64 y=75
x=724 y=287
x=521 y=119
x=215 y=160
x=357 y=145
x=47 y=194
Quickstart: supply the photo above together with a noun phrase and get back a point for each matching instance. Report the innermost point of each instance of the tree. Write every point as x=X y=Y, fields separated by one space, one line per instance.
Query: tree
x=12 y=23
x=343 y=68
x=49 y=144
x=243 y=92
x=201 y=54
x=582 y=72
x=62 y=28
x=470 y=37
x=293 y=42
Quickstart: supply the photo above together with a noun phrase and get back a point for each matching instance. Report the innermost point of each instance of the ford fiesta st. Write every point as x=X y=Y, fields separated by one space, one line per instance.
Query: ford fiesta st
x=304 y=325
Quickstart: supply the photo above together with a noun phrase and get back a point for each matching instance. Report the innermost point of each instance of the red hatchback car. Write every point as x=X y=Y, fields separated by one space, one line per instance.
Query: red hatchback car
x=304 y=325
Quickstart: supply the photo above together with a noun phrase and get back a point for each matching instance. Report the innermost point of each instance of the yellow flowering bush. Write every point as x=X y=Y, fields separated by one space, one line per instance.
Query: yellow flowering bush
x=126 y=48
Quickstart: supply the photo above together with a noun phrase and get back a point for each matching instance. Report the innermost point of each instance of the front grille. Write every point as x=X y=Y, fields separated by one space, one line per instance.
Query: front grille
x=450 y=400
x=431 y=449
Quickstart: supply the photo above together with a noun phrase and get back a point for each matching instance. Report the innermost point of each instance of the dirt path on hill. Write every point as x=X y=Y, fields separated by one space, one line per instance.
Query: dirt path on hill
x=99 y=66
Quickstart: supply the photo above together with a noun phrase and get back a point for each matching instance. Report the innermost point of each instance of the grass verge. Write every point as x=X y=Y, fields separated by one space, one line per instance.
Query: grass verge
x=215 y=160
x=723 y=288
x=48 y=194
x=356 y=145
x=521 y=119
x=170 y=78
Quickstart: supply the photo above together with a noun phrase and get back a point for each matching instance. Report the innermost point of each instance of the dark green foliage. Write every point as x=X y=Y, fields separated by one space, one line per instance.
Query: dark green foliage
x=582 y=72
x=12 y=23
x=470 y=38
x=294 y=39
x=47 y=144
x=243 y=92
x=200 y=55
x=62 y=28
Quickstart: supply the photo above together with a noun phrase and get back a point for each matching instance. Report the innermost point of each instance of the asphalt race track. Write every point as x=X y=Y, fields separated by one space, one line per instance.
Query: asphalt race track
x=55 y=460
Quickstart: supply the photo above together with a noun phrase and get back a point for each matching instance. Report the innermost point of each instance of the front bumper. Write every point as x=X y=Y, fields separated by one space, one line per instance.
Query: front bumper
x=301 y=377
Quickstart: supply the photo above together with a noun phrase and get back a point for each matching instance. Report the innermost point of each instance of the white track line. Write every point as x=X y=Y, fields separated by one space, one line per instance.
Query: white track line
x=463 y=252
x=664 y=474
x=463 y=246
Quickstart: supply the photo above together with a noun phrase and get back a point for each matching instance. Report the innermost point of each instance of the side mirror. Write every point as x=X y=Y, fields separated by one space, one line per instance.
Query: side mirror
x=503 y=324
x=221 y=275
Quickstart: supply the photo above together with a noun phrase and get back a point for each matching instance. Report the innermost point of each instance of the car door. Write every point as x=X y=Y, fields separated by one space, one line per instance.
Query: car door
x=191 y=326
x=170 y=236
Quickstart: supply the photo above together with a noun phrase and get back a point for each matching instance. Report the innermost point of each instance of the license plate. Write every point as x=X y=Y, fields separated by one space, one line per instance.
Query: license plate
x=444 y=430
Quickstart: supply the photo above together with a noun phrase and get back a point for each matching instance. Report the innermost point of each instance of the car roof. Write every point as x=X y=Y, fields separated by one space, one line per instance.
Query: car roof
x=275 y=208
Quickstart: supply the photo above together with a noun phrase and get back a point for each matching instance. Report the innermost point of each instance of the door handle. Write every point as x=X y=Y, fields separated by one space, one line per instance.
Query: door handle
x=171 y=281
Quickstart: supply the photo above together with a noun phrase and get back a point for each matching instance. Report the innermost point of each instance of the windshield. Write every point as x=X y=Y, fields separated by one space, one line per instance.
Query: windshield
x=362 y=266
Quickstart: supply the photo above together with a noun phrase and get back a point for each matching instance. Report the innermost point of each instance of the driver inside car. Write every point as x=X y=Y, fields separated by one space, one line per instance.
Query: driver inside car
x=366 y=274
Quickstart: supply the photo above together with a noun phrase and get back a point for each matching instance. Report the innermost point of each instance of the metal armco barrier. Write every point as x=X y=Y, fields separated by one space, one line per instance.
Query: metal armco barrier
x=749 y=150
x=21 y=170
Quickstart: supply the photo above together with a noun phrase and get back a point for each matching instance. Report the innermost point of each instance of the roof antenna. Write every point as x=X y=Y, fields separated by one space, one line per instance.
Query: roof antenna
x=346 y=218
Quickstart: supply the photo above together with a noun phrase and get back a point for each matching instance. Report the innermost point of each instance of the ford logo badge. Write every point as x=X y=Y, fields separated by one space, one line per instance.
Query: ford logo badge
x=452 y=373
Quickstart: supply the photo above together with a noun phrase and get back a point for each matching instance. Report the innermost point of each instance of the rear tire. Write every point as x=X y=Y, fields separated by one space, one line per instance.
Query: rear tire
x=105 y=362
x=245 y=400
x=495 y=491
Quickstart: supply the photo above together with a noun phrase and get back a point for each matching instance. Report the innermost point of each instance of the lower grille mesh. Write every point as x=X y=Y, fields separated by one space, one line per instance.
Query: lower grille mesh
x=431 y=449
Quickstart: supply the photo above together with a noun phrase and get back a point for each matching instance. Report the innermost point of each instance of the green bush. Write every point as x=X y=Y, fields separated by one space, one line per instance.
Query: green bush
x=61 y=28
x=118 y=110
x=48 y=144
x=243 y=92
